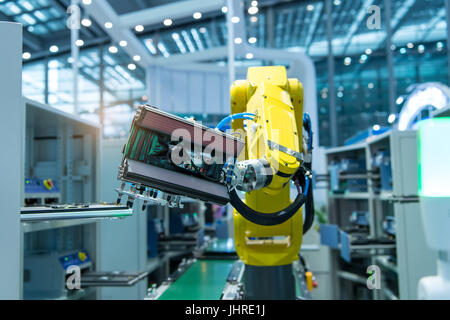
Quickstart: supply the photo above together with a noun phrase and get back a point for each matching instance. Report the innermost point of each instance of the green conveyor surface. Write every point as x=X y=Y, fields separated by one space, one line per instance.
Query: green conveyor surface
x=204 y=280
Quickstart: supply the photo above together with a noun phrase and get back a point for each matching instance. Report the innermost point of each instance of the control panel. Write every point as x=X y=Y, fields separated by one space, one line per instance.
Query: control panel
x=41 y=192
x=77 y=258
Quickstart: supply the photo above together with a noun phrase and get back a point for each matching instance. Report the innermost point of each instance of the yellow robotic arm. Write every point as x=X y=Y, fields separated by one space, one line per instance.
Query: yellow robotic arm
x=273 y=138
x=167 y=156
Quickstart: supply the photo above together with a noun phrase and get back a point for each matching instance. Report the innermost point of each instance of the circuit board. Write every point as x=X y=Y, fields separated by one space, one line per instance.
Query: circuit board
x=177 y=156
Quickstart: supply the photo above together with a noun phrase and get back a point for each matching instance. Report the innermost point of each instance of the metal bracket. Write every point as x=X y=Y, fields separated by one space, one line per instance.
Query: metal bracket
x=275 y=146
x=151 y=196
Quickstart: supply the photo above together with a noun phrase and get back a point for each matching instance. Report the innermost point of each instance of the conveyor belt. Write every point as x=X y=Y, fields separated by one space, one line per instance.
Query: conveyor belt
x=204 y=280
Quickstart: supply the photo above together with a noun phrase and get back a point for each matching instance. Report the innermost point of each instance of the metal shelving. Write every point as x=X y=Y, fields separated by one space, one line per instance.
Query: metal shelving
x=351 y=195
x=409 y=250
x=65 y=148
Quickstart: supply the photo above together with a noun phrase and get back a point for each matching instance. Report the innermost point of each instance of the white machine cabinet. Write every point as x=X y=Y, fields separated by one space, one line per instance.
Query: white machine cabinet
x=409 y=258
x=12 y=113
x=414 y=258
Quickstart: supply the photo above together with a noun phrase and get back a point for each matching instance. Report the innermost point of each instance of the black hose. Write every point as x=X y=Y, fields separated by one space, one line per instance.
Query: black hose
x=309 y=206
x=266 y=219
x=309 y=210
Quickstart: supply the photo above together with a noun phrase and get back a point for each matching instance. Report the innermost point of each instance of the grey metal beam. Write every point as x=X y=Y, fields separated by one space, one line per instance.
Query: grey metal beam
x=101 y=11
x=390 y=59
x=397 y=20
x=270 y=23
x=101 y=88
x=177 y=10
x=231 y=4
x=358 y=20
x=288 y=28
x=314 y=27
x=298 y=25
x=331 y=70
x=46 y=85
x=91 y=32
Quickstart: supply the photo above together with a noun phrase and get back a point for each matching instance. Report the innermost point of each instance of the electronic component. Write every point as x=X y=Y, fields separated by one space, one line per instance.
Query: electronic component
x=389 y=226
x=348 y=175
x=167 y=156
x=360 y=219
x=382 y=165
x=41 y=192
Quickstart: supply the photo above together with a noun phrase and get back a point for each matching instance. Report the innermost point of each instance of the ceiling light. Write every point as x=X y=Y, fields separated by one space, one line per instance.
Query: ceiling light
x=79 y=43
x=139 y=28
x=54 y=49
x=399 y=100
x=391 y=118
x=347 y=61
x=113 y=49
x=235 y=19
x=86 y=22
x=253 y=10
x=224 y=9
x=237 y=40
x=249 y=55
x=402 y=51
x=439 y=46
x=202 y=30
x=26 y=55
x=254 y=19
x=371 y=85
x=254 y=3
x=368 y=51
x=132 y=66
x=410 y=45
x=108 y=25
x=337 y=2
x=197 y=15
x=421 y=48
x=168 y=22
x=123 y=43
x=310 y=7
x=87 y=2
x=376 y=127
x=252 y=40
x=137 y=58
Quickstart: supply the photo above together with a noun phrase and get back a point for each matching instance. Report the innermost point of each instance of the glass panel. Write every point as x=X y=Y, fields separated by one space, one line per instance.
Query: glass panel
x=33 y=83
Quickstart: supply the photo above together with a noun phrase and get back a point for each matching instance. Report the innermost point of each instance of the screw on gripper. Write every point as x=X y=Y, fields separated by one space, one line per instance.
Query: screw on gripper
x=130 y=204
